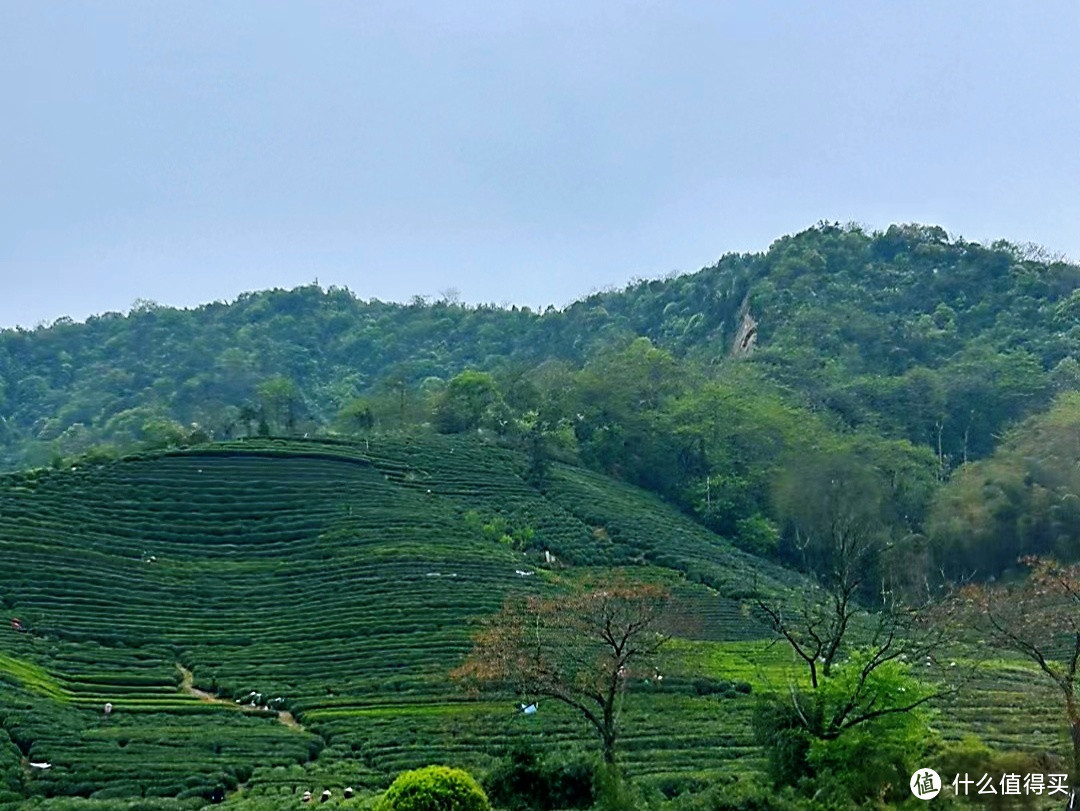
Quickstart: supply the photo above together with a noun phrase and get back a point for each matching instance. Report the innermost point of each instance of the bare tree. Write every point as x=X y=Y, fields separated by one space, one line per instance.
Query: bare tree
x=1039 y=619
x=855 y=637
x=580 y=648
x=831 y=506
x=827 y=623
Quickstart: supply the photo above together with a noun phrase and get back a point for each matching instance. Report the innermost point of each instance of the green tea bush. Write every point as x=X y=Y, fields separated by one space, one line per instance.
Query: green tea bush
x=677 y=785
x=434 y=788
x=704 y=686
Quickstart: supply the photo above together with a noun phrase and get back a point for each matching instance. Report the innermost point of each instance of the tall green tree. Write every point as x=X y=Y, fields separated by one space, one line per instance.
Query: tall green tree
x=356 y=417
x=280 y=401
x=470 y=400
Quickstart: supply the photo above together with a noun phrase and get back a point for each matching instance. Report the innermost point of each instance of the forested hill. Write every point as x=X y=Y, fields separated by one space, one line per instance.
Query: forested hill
x=904 y=331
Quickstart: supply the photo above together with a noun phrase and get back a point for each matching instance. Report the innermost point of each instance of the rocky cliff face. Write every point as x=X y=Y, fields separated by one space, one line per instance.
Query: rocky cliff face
x=745 y=335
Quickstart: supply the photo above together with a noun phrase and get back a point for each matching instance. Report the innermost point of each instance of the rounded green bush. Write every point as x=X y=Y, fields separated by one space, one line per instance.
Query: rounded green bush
x=434 y=788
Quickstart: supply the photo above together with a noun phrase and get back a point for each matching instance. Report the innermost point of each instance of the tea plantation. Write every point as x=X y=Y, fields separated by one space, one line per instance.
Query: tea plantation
x=334 y=584
x=270 y=617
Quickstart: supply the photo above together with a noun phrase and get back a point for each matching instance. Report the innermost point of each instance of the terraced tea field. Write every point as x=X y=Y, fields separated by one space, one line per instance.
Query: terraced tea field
x=333 y=582
x=272 y=617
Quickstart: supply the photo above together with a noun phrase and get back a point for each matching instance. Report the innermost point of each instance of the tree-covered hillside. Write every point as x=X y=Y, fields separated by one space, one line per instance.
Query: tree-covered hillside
x=902 y=353
x=936 y=340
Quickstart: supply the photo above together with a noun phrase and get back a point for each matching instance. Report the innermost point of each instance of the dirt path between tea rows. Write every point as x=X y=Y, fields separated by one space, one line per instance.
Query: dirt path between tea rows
x=187 y=686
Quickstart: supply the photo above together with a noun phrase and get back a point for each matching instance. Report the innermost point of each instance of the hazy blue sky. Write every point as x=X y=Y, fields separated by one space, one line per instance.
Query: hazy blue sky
x=519 y=152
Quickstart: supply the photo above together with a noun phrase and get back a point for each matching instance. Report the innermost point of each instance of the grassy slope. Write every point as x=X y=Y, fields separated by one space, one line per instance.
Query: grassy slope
x=340 y=578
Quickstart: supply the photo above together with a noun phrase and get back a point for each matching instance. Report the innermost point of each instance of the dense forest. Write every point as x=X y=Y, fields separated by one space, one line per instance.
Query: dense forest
x=921 y=360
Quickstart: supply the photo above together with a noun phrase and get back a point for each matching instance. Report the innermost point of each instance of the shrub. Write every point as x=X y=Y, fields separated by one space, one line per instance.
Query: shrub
x=524 y=782
x=516 y=784
x=742 y=796
x=570 y=784
x=705 y=686
x=679 y=785
x=615 y=793
x=778 y=729
x=971 y=756
x=434 y=788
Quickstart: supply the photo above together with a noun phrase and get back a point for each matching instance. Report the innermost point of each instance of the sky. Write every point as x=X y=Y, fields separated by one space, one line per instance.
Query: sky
x=516 y=152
